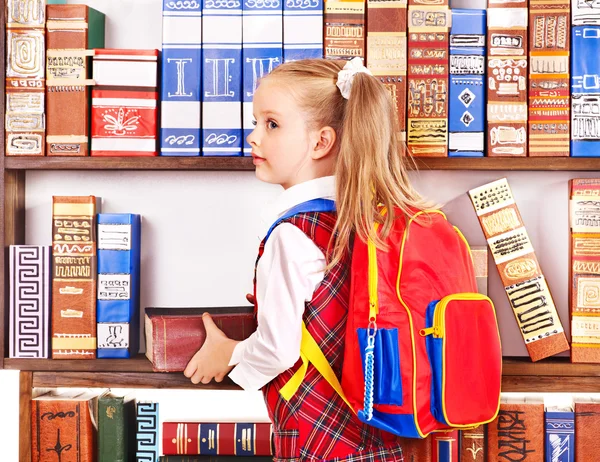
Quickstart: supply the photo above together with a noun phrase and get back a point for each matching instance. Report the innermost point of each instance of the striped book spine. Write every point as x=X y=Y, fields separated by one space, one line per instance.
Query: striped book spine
x=445 y=446
x=467 y=83
x=118 y=306
x=181 y=84
x=427 y=125
x=25 y=64
x=344 y=29
x=302 y=29
x=222 y=78
x=507 y=78
x=262 y=51
x=560 y=434
x=549 y=104
x=124 y=103
x=147 y=435
x=29 y=319
x=386 y=50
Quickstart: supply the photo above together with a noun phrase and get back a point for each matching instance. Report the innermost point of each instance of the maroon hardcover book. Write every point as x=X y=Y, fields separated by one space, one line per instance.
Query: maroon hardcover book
x=174 y=335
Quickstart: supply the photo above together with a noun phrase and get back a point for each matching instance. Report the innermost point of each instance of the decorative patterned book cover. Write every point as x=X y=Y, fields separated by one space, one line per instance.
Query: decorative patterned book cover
x=416 y=449
x=74 y=277
x=584 y=271
x=587 y=420
x=507 y=78
x=29 y=319
x=520 y=272
x=344 y=36
x=302 y=29
x=174 y=335
x=262 y=51
x=222 y=78
x=467 y=83
x=472 y=447
x=585 y=83
x=116 y=427
x=228 y=439
x=427 y=119
x=147 y=436
x=444 y=446
x=560 y=434
x=518 y=431
x=214 y=459
x=181 y=84
x=72 y=32
x=549 y=104
x=584 y=13
x=124 y=103
x=480 y=262
x=118 y=305
x=25 y=123
x=63 y=426
x=386 y=50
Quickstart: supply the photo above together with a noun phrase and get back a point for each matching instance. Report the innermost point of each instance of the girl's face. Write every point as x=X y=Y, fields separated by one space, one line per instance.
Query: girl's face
x=281 y=140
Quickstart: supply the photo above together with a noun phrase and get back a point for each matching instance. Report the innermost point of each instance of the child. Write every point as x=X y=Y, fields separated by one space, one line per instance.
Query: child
x=314 y=119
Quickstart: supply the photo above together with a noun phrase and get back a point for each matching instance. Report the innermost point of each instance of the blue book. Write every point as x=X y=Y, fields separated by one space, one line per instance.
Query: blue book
x=181 y=78
x=261 y=53
x=222 y=78
x=466 y=104
x=147 y=436
x=118 y=304
x=585 y=91
x=302 y=29
x=560 y=435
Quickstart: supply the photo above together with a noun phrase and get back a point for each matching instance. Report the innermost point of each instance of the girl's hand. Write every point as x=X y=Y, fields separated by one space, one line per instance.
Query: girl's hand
x=212 y=360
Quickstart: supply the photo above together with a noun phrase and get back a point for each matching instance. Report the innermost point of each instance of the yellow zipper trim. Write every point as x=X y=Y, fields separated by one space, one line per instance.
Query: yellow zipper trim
x=410 y=320
x=373 y=274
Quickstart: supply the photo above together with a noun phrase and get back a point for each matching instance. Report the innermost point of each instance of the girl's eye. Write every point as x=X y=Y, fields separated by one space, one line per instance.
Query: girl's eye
x=254 y=122
x=271 y=124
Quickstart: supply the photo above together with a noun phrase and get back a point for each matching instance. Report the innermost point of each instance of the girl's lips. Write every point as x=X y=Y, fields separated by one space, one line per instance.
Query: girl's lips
x=256 y=160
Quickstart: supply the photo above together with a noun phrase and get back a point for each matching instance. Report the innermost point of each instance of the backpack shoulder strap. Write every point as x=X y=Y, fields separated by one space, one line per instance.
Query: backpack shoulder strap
x=314 y=205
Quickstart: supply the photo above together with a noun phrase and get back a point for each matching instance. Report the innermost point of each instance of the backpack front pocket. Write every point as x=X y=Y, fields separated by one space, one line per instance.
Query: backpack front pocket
x=463 y=345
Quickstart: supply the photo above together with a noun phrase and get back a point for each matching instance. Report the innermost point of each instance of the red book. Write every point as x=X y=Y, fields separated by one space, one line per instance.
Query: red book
x=224 y=439
x=174 y=335
x=444 y=446
x=416 y=449
x=63 y=427
x=587 y=420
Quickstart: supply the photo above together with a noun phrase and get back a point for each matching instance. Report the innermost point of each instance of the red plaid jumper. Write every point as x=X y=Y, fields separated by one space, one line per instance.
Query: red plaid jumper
x=316 y=424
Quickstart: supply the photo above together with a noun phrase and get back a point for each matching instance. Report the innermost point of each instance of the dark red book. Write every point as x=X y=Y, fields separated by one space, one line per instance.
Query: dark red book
x=174 y=335
x=444 y=446
x=224 y=439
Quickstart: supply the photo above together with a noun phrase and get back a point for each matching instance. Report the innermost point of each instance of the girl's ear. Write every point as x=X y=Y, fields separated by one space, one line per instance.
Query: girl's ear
x=324 y=143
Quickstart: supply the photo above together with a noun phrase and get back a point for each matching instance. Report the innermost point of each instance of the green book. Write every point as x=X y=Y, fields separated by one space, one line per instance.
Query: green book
x=116 y=428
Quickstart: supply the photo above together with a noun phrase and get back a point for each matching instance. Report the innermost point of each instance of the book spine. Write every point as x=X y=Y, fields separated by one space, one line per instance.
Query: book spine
x=584 y=271
x=216 y=459
x=517 y=433
x=560 y=436
x=112 y=430
x=302 y=29
x=467 y=84
x=472 y=447
x=60 y=426
x=587 y=419
x=147 y=435
x=262 y=51
x=480 y=264
x=444 y=446
x=507 y=79
x=181 y=85
x=549 y=104
x=427 y=123
x=519 y=269
x=416 y=449
x=234 y=439
x=585 y=86
x=124 y=103
x=118 y=306
x=25 y=56
x=74 y=277
x=344 y=36
x=29 y=331
x=222 y=78
x=386 y=51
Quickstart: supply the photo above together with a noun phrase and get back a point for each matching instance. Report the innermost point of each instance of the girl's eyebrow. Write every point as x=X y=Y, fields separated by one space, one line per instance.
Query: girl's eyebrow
x=272 y=113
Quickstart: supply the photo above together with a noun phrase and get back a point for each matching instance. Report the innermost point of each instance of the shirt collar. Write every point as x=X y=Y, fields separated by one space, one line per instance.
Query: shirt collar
x=323 y=187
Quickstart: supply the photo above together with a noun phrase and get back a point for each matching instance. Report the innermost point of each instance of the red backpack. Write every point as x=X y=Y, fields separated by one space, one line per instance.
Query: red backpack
x=422 y=350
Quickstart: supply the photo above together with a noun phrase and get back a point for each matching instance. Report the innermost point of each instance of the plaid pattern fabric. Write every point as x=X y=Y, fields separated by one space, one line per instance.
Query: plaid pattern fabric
x=316 y=424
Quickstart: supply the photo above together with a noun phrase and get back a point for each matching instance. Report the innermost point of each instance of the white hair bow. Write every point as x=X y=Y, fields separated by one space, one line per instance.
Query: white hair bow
x=346 y=75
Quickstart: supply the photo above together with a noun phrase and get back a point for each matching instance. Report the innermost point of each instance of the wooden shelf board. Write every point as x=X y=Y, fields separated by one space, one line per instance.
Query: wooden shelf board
x=245 y=163
x=139 y=364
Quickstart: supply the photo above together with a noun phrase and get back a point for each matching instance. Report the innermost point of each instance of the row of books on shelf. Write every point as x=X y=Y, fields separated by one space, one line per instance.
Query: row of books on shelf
x=464 y=83
x=104 y=426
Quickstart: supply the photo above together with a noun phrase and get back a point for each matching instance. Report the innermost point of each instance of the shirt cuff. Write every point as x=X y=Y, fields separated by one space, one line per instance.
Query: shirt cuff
x=238 y=352
x=248 y=378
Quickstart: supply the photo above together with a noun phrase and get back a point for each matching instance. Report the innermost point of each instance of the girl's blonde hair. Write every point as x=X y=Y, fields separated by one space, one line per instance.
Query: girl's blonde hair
x=370 y=168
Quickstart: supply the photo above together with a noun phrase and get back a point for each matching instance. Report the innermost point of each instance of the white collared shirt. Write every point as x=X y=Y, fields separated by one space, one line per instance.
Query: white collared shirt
x=288 y=273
